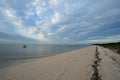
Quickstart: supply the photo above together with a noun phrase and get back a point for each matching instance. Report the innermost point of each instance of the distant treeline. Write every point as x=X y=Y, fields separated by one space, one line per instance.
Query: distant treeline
x=113 y=46
x=117 y=43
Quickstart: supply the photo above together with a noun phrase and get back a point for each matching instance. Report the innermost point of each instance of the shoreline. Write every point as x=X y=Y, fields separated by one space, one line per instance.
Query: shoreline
x=73 y=65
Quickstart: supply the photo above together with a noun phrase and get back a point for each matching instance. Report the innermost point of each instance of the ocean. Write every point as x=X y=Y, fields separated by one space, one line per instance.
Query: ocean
x=13 y=54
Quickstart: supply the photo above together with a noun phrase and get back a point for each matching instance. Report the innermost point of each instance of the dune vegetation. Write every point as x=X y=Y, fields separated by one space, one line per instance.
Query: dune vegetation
x=112 y=46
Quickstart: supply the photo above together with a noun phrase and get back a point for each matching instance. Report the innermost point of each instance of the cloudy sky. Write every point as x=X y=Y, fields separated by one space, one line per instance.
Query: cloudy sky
x=59 y=21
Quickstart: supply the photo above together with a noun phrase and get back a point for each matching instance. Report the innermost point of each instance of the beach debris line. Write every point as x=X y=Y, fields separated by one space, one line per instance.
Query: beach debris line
x=95 y=65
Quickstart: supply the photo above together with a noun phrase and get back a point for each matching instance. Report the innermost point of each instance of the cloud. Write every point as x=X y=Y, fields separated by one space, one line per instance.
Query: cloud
x=61 y=21
x=35 y=8
x=41 y=37
x=10 y=14
x=56 y=4
x=100 y=40
x=15 y=38
x=29 y=30
x=56 y=18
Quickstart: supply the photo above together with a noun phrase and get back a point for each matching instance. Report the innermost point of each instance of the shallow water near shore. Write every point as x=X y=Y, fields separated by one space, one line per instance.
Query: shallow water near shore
x=13 y=54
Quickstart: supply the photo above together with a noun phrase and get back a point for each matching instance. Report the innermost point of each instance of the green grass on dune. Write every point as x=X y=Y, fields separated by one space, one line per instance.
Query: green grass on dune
x=113 y=46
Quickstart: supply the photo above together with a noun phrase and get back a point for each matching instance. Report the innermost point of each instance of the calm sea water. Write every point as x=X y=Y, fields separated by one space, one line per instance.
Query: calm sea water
x=13 y=54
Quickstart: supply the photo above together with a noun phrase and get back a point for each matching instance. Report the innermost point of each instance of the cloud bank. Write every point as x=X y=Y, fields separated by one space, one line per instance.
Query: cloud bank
x=60 y=21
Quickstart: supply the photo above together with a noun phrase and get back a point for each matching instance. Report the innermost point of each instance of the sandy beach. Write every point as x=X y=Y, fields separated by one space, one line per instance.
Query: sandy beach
x=91 y=63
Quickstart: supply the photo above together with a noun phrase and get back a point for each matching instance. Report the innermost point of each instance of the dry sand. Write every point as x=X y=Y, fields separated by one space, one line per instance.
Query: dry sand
x=74 y=65
x=110 y=64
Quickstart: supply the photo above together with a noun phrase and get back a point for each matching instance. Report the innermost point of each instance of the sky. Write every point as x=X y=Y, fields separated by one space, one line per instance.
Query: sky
x=59 y=21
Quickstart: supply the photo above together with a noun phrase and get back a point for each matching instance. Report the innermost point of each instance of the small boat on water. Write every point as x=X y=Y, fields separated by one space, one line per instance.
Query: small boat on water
x=24 y=46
